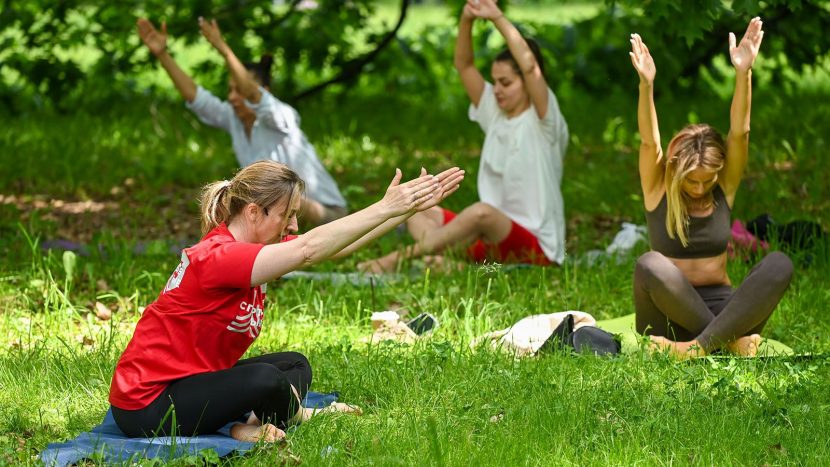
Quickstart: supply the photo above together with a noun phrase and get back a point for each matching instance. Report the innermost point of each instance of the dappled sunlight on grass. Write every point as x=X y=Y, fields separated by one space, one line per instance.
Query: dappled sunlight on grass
x=120 y=189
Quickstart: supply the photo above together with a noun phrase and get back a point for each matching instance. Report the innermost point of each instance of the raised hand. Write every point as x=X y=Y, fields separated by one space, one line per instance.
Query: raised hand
x=467 y=12
x=404 y=198
x=449 y=181
x=743 y=55
x=154 y=39
x=641 y=59
x=485 y=9
x=212 y=33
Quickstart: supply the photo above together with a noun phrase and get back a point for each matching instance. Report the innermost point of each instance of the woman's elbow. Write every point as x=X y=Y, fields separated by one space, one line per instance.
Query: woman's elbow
x=739 y=134
x=311 y=253
x=463 y=64
x=531 y=69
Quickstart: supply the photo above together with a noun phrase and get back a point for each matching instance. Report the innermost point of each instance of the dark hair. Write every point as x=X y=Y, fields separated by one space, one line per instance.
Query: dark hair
x=261 y=70
x=506 y=56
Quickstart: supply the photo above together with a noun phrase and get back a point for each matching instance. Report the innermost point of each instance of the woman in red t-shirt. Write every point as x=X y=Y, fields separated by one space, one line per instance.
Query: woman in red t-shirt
x=185 y=352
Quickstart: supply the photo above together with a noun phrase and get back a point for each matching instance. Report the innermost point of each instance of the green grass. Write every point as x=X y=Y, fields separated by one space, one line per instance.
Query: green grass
x=438 y=402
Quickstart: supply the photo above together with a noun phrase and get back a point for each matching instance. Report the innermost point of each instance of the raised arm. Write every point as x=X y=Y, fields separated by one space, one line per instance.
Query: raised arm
x=449 y=179
x=156 y=42
x=245 y=84
x=464 y=60
x=651 y=152
x=534 y=80
x=737 y=142
x=323 y=242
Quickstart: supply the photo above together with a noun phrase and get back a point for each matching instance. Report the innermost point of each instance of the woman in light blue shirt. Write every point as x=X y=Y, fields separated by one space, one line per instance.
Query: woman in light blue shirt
x=261 y=126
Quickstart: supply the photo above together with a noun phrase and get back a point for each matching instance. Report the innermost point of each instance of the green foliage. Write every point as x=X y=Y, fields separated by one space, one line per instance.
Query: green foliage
x=686 y=37
x=84 y=54
x=75 y=54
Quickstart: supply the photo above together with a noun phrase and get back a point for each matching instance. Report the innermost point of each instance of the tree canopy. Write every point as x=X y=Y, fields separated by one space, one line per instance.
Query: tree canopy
x=66 y=55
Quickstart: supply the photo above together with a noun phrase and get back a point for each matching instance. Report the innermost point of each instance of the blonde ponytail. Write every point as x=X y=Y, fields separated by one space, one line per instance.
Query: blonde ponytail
x=214 y=204
x=263 y=183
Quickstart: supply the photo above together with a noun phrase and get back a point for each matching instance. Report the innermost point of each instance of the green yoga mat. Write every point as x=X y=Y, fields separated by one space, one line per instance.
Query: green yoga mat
x=624 y=327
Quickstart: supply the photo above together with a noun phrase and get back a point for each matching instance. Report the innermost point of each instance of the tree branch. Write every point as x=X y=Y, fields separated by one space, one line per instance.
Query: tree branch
x=352 y=68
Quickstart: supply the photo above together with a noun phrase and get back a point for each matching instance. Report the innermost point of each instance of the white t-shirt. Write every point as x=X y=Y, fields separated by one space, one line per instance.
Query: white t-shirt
x=521 y=168
x=276 y=136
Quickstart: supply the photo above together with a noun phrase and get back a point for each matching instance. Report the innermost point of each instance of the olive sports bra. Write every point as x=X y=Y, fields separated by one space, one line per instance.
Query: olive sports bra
x=707 y=235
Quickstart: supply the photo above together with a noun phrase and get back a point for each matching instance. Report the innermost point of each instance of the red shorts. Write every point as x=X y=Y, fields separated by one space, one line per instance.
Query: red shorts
x=520 y=246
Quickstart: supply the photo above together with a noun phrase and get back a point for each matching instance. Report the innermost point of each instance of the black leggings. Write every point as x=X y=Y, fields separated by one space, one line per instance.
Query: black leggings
x=205 y=402
x=668 y=305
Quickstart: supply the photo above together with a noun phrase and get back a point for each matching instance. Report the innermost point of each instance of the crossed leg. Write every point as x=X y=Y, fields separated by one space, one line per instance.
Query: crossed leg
x=477 y=221
x=673 y=312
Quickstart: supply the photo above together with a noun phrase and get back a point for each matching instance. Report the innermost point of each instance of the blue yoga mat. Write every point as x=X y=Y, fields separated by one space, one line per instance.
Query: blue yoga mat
x=114 y=446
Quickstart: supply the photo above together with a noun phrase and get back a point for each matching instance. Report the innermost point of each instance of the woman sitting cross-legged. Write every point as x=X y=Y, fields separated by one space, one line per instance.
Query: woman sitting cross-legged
x=682 y=294
x=261 y=126
x=184 y=356
x=520 y=216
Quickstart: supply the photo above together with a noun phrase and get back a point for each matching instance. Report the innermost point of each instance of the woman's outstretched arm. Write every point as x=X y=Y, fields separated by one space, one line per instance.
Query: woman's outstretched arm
x=449 y=179
x=651 y=151
x=245 y=83
x=156 y=42
x=464 y=59
x=323 y=242
x=737 y=142
x=537 y=87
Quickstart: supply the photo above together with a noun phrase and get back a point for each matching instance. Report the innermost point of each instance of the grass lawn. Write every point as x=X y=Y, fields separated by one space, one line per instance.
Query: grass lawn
x=124 y=184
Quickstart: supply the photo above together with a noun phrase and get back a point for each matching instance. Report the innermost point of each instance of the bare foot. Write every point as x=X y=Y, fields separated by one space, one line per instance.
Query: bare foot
x=308 y=412
x=678 y=350
x=267 y=433
x=388 y=263
x=442 y=263
x=343 y=408
x=746 y=346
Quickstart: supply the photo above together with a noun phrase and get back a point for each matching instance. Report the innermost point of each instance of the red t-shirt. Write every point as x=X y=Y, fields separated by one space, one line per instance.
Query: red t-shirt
x=204 y=320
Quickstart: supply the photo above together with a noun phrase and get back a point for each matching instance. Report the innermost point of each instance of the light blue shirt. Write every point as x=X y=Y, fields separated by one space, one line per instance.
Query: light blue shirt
x=276 y=136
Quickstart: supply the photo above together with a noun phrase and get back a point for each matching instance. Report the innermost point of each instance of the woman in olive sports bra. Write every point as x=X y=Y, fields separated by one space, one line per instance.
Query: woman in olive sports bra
x=682 y=294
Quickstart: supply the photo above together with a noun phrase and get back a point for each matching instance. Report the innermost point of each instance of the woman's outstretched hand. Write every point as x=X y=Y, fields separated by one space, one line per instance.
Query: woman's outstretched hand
x=212 y=33
x=449 y=181
x=484 y=9
x=641 y=59
x=743 y=55
x=154 y=39
x=404 y=198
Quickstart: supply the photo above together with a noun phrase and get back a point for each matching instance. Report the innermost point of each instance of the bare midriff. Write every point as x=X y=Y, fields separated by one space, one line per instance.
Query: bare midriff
x=704 y=271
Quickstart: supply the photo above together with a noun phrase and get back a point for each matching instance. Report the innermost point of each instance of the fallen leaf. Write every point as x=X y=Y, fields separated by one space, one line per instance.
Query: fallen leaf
x=777 y=447
x=102 y=312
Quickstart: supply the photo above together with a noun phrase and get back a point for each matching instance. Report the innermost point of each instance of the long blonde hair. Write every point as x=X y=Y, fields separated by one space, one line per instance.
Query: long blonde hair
x=694 y=147
x=262 y=183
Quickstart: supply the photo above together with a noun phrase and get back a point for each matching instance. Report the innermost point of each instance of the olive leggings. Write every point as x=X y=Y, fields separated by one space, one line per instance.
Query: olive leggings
x=668 y=305
x=206 y=402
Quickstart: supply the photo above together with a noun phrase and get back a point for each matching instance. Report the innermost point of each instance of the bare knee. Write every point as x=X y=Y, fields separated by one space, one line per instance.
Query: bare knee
x=480 y=214
x=432 y=218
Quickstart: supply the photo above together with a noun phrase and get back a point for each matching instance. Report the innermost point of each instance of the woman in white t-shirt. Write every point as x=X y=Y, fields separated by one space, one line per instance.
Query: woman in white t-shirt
x=261 y=126
x=520 y=215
